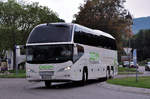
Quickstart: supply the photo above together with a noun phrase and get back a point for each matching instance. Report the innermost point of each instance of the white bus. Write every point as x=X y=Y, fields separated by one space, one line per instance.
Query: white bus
x=69 y=52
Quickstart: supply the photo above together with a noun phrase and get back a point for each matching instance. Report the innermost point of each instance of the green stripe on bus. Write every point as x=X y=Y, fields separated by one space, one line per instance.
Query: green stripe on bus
x=46 y=67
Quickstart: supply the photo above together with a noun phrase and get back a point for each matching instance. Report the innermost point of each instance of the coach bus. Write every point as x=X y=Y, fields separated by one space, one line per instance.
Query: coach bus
x=60 y=52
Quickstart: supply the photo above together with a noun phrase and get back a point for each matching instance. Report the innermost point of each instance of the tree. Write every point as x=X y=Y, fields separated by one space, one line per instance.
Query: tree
x=141 y=42
x=18 y=19
x=107 y=15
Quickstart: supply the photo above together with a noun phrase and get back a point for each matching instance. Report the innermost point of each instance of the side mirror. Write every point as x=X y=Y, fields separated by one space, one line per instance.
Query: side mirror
x=22 y=50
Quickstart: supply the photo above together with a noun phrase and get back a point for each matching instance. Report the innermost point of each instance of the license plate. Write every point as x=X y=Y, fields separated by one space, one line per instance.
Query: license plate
x=46 y=77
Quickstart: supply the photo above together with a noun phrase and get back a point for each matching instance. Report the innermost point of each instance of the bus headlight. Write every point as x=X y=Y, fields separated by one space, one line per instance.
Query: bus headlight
x=67 y=68
x=64 y=69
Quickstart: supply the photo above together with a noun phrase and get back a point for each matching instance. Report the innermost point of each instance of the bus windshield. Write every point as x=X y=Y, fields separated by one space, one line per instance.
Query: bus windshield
x=51 y=33
x=49 y=54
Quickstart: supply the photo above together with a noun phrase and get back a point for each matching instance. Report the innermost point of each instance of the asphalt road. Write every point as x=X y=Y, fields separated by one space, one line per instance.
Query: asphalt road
x=22 y=89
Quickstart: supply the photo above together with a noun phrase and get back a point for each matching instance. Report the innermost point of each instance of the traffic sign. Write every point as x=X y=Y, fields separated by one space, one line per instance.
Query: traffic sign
x=135 y=62
x=127 y=50
x=134 y=57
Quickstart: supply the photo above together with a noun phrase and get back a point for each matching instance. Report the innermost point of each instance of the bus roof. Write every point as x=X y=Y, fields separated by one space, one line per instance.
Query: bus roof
x=104 y=34
x=58 y=23
x=91 y=31
x=96 y=32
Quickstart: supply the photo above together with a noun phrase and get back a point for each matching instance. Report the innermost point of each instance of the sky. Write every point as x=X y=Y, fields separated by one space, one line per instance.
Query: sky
x=67 y=8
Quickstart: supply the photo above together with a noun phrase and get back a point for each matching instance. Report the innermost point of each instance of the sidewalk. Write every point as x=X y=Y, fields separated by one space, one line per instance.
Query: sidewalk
x=125 y=89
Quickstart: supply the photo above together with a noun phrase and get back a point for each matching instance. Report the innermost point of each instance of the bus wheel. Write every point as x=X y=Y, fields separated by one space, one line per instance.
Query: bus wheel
x=112 y=72
x=107 y=74
x=48 y=84
x=84 y=77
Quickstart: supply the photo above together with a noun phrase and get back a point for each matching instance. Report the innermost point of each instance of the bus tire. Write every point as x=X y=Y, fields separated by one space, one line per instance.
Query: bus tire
x=107 y=73
x=112 y=72
x=84 y=77
x=48 y=84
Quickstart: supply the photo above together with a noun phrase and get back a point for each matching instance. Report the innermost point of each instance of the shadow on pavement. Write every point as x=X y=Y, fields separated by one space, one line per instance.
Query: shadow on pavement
x=70 y=85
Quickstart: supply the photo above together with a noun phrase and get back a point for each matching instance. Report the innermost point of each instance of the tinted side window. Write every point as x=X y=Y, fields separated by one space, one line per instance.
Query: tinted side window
x=114 y=46
x=83 y=37
x=106 y=42
x=79 y=37
x=102 y=42
x=86 y=38
x=80 y=50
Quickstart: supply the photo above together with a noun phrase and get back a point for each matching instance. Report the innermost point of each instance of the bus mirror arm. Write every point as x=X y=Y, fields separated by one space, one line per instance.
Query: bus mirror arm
x=75 y=50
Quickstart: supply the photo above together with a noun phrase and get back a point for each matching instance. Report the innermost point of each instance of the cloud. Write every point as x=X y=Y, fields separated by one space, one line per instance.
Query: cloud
x=65 y=8
x=138 y=8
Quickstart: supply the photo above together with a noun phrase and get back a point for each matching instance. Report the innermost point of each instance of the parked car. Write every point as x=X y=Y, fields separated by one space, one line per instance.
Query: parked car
x=125 y=63
x=132 y=65
x=147 y=67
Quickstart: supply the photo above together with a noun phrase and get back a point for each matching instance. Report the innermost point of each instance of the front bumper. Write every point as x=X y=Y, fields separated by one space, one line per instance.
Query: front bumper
x=56 y=77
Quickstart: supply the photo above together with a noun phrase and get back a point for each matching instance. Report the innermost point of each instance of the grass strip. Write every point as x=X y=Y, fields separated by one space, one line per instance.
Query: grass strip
x=126 y=69
x=143 y=82
x=129 y=73
x=13 y=75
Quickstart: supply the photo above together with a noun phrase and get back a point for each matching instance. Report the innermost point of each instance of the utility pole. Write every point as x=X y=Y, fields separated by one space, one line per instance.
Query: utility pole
x=14 y=49
x=129 y=53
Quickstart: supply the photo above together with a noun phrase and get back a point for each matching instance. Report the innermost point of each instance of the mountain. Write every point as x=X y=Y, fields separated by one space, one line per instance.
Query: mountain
x=140 y=23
